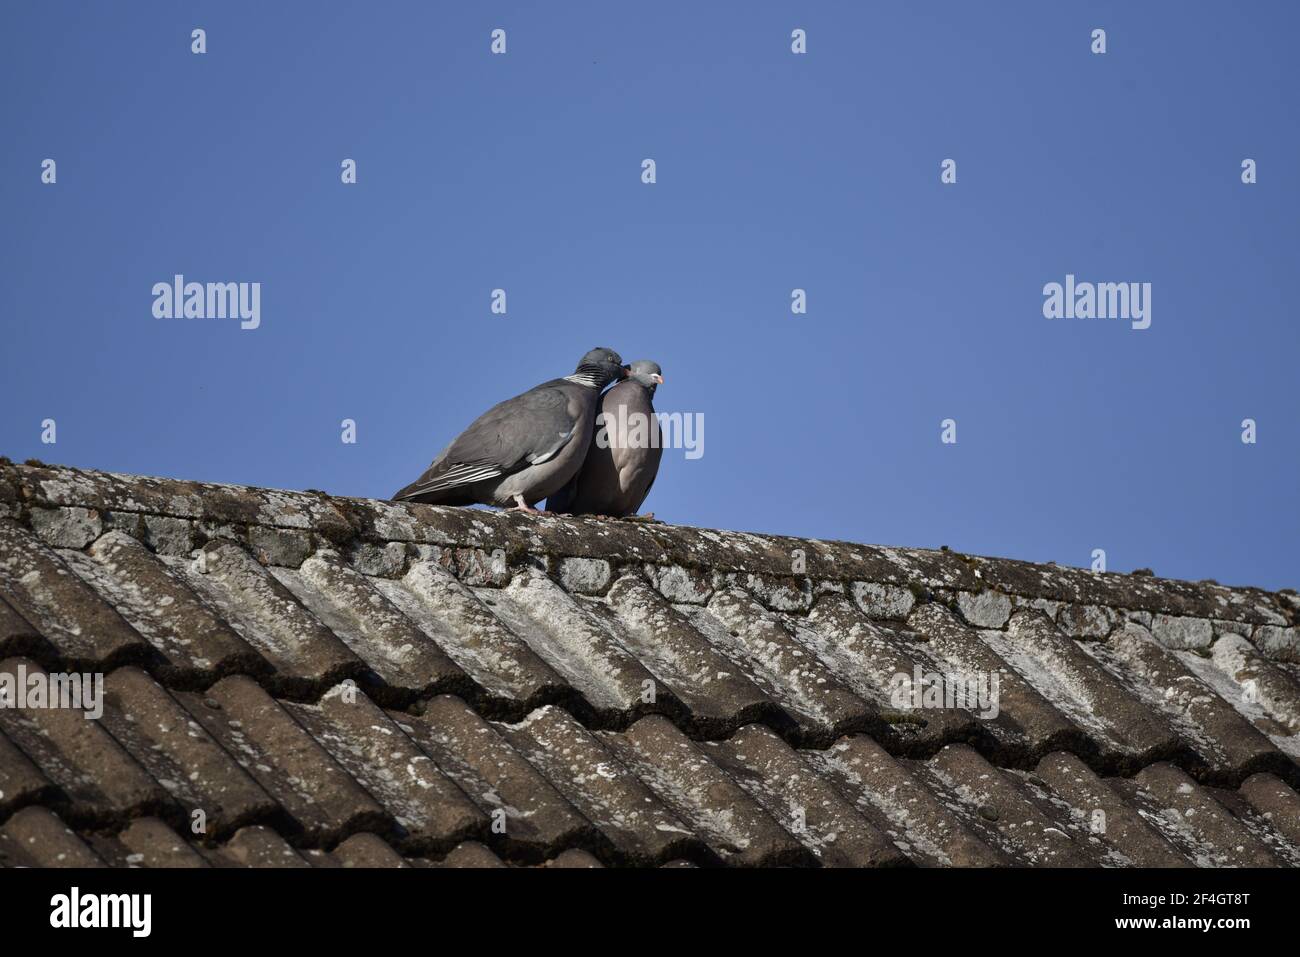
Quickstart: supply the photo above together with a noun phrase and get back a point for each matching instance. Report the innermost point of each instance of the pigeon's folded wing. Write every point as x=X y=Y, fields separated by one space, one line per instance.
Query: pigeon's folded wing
x=512 y=435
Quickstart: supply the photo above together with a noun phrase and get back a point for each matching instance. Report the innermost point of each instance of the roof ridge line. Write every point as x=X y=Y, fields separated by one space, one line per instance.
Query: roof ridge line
x=341 y=520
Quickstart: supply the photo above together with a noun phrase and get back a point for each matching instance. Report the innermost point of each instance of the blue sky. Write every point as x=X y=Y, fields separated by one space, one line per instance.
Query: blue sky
x=775 y=171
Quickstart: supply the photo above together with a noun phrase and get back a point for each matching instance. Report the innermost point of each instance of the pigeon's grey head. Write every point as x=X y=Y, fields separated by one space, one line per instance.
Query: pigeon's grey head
x=646 y=373
x=600 y=367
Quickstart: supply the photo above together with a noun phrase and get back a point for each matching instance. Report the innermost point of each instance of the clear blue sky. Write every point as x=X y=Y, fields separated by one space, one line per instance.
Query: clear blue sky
x=775 y=171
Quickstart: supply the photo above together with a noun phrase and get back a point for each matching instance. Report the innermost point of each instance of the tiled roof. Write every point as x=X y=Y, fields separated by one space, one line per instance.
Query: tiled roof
x=325 y=681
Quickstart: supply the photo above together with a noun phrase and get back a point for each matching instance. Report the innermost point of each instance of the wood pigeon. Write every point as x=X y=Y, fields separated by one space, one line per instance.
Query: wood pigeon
x=523 y=449
x=619 y=469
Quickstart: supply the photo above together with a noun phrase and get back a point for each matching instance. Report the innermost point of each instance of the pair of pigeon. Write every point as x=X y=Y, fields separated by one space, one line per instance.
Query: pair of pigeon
x=547 y=444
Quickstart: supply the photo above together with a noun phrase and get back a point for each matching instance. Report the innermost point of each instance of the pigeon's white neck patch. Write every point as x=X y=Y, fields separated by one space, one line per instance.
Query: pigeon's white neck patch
x=583 y=378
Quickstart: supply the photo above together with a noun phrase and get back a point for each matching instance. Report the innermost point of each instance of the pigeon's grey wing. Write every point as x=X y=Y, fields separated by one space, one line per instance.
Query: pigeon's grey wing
x=526 y=430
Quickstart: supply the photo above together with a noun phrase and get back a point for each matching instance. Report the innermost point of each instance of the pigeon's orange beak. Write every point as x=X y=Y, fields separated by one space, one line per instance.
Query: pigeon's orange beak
x=658 y=378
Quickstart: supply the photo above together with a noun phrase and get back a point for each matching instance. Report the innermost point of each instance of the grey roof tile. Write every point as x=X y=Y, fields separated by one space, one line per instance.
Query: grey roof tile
x=527 y=812
x=350 y=605
x=1115 y=590
x=573 y=858
x=66 y=527
x=98 y=781
x=882 y=601
x=1208 y=831
x=394 y=684
x=17 y=635
x=681 y=585
x=21 y=782
x=1228 y=743
x=322 y=799
x=1120 y=720
x=431 y=812
x=166 y=740
x=582 y=649
x=1262 y=681
x=793 y=791
x=366 y=850
x=1105 y=814
x=35 y=837
x=870 y=657
x=1027 y=725
x=470 y=854
x=307 y=656
x=1087 y=621
x=468 y=631
x=889 y=792
x=53 y=485
x=985 y=609
x=640 y=826
x=84 y=629
x=197 y=645
x=148 y=842
x=256 y=846
x=776 y=592
x=718 y=694
x=766 y=650
x=735 y=826
x=995 y=804
x=1278 y=643
x=1271 y=798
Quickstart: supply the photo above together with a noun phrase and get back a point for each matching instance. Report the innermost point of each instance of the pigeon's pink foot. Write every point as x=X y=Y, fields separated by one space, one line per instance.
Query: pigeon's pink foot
x=522 y=506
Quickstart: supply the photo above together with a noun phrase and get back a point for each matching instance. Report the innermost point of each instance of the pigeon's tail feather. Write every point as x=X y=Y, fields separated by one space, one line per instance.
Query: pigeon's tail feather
x=450 y=479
